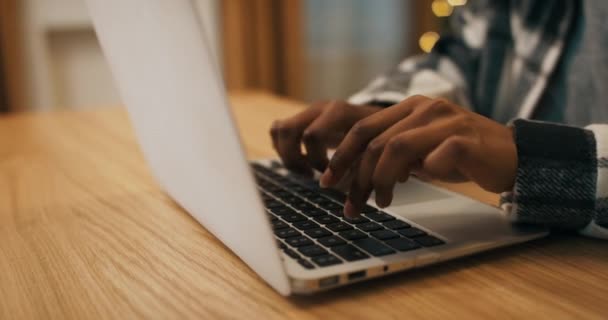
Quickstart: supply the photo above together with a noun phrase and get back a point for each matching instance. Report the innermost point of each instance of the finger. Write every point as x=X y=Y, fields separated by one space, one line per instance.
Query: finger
x=403 y=152
x=362 y=133
x=445 y=161
x=361 y=187
x=274 y=134
x=416 y=169
x=325 y=129
x=290 y=152
x=316 y=150
x=287 y=135
x=362 y=190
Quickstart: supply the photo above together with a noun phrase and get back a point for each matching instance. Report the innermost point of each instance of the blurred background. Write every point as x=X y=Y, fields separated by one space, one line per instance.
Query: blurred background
x=303 y=49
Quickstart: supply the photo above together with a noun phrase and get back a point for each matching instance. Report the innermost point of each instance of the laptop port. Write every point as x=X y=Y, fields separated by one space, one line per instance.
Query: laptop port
x=356 y=275
x=329 y=281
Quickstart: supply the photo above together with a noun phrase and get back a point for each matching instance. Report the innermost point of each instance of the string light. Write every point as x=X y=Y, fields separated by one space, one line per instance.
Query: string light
x=440 y=8
x=427 y=41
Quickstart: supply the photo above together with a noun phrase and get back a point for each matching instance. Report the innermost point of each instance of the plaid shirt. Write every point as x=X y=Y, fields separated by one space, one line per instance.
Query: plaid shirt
x=498 y=62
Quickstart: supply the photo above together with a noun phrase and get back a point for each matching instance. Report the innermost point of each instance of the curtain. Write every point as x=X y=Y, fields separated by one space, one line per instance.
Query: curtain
x=4 y=107
x=261 y=45
x=11 y=71
x=317 y=49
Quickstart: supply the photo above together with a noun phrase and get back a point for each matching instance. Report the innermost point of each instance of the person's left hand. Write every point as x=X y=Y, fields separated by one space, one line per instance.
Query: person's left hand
x=430 y=137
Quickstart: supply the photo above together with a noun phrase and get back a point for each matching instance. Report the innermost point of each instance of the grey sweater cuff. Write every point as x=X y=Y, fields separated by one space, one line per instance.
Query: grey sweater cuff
x=556 y=178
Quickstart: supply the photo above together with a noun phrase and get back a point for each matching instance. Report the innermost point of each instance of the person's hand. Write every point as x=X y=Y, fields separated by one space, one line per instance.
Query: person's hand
x=433 y=137
x=321 y=126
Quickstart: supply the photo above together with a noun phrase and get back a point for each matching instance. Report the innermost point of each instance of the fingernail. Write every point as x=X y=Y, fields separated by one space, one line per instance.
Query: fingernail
x=326 y=179
x=349 y=210
x=383 y=201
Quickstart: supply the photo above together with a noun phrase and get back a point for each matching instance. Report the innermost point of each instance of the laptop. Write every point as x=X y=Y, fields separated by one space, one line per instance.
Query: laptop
x=284 y=227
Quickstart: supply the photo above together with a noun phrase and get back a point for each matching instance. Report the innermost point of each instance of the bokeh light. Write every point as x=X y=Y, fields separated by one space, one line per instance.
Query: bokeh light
x=427 y=41
x=441 y=8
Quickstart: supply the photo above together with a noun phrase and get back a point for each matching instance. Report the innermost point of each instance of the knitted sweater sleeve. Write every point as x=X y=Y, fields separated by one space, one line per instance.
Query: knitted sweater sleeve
x=562 y=177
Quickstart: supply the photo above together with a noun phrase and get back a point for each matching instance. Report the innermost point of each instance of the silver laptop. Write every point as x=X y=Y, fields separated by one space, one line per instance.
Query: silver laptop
x=290 y=232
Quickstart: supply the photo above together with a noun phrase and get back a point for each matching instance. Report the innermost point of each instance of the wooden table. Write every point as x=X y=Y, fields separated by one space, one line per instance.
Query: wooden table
x=86 y=233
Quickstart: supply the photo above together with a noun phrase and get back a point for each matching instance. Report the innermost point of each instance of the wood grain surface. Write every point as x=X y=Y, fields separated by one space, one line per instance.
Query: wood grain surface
x=85 y=233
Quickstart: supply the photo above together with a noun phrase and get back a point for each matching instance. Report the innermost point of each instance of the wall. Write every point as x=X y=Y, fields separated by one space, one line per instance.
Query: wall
x=65 y=67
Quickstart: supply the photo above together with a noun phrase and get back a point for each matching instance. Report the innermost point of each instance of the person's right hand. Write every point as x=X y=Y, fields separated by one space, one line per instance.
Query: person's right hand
x=320 y=127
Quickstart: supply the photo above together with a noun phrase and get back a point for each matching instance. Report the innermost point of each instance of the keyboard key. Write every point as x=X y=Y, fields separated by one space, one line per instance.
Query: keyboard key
x=299 y=241
x=278 y=224
x=369 y=226
x=272 y=175
x=314 y=212
x=334 y=194
x=411 y=232
x=294 y=217
x=330 y=205
x=337 y=212
x=295 y=187
x=257 y=167
x=373 y=247
x=368 y=209
x=312 y=251
x=282 y=210
x=306 y=264
x=273 y=204
x=292 y=199
x=287 y=233
x=303 y=206
x=349 y=253
x=263 y=181
x=326 y=219
x=305 y=225
x=307 y=194
x=356 y=220
x=291 y=253
x=339 y=226
x=396 y=224
x=264 y=184
x=282 y=245
x=352 y=234
x=277 y=191
x=281 y=193
x=277 y=178
x=428 y=241
x=326 y=260
x=331 y=241
x=402 y=244
x=318 y=233
x=317 y=199
x=379 y=216
x=384 y=234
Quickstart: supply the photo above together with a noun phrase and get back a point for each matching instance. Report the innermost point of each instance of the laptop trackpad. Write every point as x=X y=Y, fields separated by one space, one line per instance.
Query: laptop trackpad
x=414 y=191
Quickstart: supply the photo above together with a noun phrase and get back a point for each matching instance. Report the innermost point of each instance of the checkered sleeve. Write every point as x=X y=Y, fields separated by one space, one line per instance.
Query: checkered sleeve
x=562 y=177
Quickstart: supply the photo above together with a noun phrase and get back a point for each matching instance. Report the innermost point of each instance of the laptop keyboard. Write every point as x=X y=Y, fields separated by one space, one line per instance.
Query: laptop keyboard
x=310 y=227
